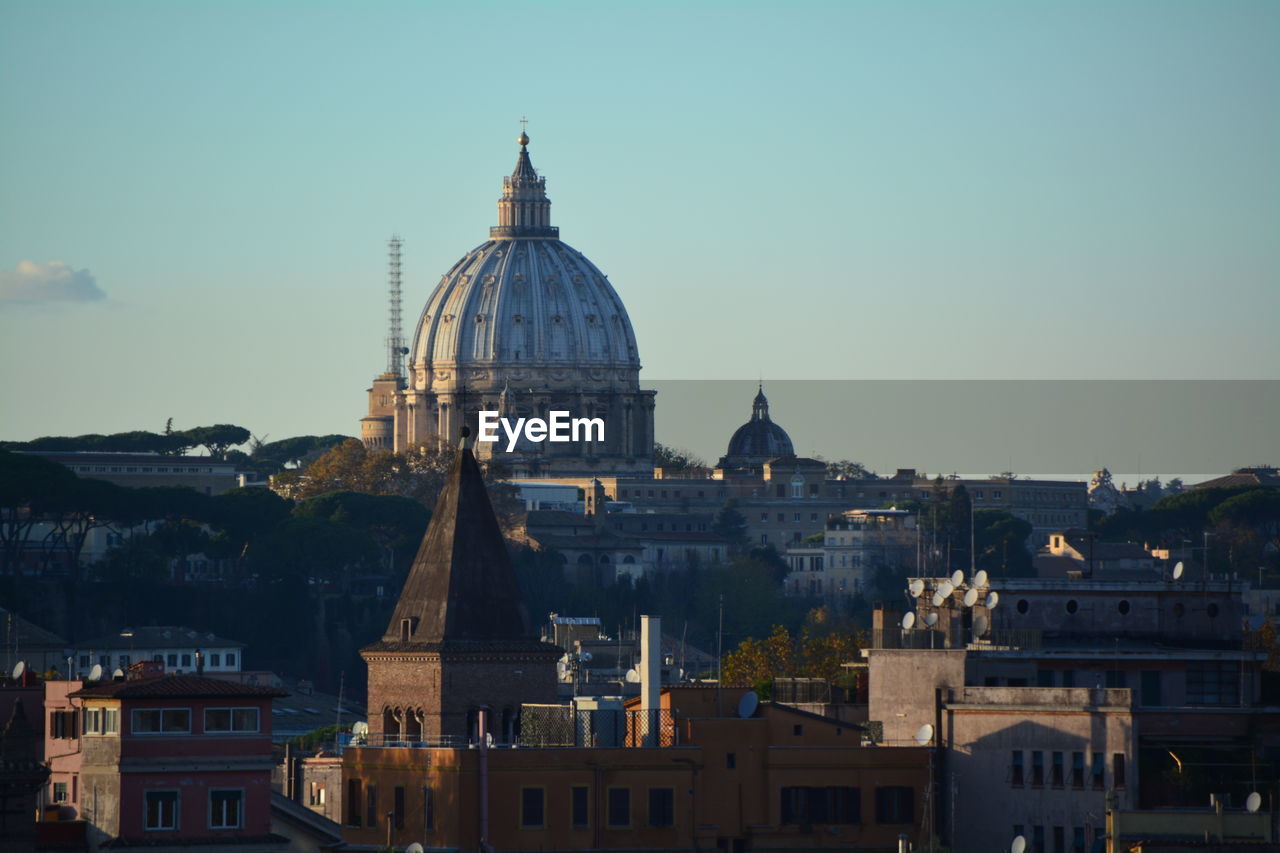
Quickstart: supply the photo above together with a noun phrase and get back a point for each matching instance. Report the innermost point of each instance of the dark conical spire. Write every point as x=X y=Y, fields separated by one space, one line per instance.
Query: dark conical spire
x=524 y=209
x=462 y=587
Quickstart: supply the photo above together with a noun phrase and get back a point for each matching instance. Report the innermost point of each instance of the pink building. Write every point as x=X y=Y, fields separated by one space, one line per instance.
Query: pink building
x=167 y=761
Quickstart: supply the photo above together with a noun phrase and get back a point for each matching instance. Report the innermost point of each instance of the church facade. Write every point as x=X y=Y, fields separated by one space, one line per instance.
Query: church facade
x=522 y=325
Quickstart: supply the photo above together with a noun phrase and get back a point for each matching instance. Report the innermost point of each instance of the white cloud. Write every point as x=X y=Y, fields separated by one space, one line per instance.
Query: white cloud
x=45 y=283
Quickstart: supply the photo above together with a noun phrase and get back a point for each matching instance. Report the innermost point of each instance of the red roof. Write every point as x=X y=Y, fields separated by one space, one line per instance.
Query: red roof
x=191 y=686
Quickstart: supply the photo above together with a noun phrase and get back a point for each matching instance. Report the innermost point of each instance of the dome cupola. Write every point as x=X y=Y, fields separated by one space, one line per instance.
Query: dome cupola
x=758 y=440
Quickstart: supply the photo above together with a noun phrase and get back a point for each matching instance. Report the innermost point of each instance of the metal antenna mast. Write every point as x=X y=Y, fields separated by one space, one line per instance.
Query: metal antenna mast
x=395 y=339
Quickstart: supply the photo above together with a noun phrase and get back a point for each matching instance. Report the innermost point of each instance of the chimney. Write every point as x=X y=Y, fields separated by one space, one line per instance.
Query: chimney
x=199 y=662
x=650 y=676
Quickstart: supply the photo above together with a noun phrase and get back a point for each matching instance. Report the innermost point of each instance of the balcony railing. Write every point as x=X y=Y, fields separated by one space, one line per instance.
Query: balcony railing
x=543 y=726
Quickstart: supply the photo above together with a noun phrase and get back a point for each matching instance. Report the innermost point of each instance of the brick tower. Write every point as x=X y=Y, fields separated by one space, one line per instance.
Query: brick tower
x=460 y=637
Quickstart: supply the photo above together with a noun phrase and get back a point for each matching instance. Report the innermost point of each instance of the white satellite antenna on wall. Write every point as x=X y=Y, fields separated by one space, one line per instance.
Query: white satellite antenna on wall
x=1253 y=802
x=633 y=677
x=946 y=588
x=970 y=598
x=924 y=736
x=980 y=579
x=957 y=578
x=1178 y=570
x=118 y=673
x=993 y=598
x=95 y=673
x=980 y=625
x=938 y=598
x=1019 y=845
x=360 y=732
x=916 y=588
x=415 y=847
x=19 y=668
x=930 y=619
x=908 y=621
x=747 y=704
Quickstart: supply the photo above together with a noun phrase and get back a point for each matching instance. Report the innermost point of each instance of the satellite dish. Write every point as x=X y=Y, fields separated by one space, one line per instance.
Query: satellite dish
x=980 y=625
x=916 y=588
x=908 y=621
x=930 y=619
x=747 y=704
x=95 y=674
x=925 y=735
x=946 y=588
x=415 y=847
x=938 y=599
x=1178 y=570
x=585 y=656
x=488 y=740
x=980 y=579
x=993 y=598
x=118 y=673
x=19 y=668
x=971 y=598
x=633 y=677
x=360 y=731
x=957 y=578
x=1019 y=845
x=1253 y=802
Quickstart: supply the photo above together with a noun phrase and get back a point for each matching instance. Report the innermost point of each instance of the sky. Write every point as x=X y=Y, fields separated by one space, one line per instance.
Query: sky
x=195 y=198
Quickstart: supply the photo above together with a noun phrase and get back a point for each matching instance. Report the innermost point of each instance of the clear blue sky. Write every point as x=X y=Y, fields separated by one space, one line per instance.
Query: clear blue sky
x=801 y=190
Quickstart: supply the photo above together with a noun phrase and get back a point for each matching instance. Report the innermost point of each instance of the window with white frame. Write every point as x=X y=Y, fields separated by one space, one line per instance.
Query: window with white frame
x=226 y=808
x=151 y=721
x=161 y=810
x=231 y=720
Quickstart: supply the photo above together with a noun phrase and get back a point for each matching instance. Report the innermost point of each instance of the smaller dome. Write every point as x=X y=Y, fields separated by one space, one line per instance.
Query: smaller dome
x=758 y=440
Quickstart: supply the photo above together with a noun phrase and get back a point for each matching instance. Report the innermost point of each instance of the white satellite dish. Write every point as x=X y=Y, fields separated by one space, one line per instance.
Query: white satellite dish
x=633 y=677
x=938 y=599
x=970 y=598
x=908 y=621
x=916 y=588
x=957 y=577
x=924 y=736
x=415 y=847
x=585 y=656
x=360 y=732
x=993 y=598
x=95 y=673
x=118 y=673
x=19 y=668
x=980 y=579
x=930 y=619
x=1253 y=802
x=946 y=588
x=747 y=704
x=1019 y=845
x=1178 y=570
x=980 y=625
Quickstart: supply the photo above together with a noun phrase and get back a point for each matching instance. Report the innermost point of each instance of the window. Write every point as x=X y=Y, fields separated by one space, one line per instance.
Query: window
x=161 y=810
x=1150 y=695
x=317 y=794
x=895 y=804
x=1044 y=678
x=1059 y=840
x=730 y=760
x=662 y=807
x=231 y=720
x=619 y=807
x=1098 y=770
x=186 y=659
x=428 y=808
x=1037 y=839
x=1037 y=768
x=1015 y=769
x=225 y=809
x=1077 y=839
x=231 y=659
x=173 y=660
x=830 y=805
x=1123 y=607
x=1117 y=769
x=1213 y=683
x=1057 y=770
x=353 y=802
x=371 y=807
x=111 y=721
x=162 y=721
x=1117 y=678
x=580 y=806
x=215 y=659
x=532 y=808
x=84 y=661
x=1068 y=678
x=62 y=724
x=60 y=793
x=1077 y=769
x=123 y=661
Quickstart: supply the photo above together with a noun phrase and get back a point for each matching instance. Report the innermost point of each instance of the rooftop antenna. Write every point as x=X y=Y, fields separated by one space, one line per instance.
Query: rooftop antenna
x=395 y=338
